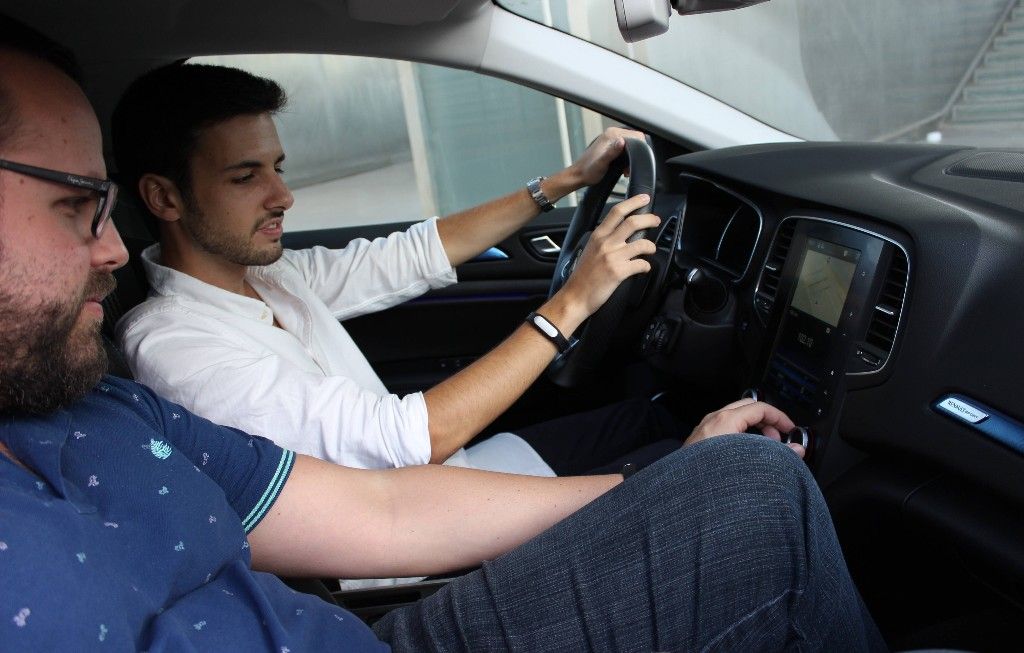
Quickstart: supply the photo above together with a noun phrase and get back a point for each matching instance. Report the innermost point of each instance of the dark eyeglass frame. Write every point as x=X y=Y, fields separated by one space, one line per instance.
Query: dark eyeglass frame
x=106 y=188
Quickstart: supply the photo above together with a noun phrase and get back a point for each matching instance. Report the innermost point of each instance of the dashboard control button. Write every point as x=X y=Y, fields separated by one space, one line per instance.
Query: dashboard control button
x=799 y=435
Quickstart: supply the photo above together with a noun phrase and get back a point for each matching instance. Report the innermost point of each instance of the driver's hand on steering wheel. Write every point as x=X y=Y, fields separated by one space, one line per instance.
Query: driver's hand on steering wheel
x=593 y=163
x=741 y=415
x=608 y=259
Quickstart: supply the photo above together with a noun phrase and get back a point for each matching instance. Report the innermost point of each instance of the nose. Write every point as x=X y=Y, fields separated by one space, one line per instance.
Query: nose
x=108 y=251
x=280 y=198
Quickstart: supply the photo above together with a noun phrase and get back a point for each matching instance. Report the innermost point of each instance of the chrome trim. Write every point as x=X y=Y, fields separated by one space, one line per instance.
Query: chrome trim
x=757 y=211
x=885 y=309
x=906 y=287
x=545 y=245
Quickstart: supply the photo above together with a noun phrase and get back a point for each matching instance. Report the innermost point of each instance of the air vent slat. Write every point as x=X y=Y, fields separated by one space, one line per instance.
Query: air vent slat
x=768 y=284
x=885 y=319
x=668 y=232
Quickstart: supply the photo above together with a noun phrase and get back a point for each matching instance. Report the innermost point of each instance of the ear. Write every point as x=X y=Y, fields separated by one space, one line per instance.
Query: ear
x=161 y=196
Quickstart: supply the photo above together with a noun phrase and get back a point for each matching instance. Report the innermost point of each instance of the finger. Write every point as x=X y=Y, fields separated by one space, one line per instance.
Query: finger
x=771 y=433
x=800 y=451
x=738 y=403
x=640 y=247
x=633 y=224
x=762 y=414
x=636 y=266
x=620 y=212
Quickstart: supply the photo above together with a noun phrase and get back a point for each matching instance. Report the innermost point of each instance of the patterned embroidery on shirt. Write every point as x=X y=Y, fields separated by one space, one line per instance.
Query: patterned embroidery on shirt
x=298 y=612
x=78 y=435
x=81 y=557
x=135 y=396
x=93 y=482
x=285 y=649
x=3 y=545
x=163 y=490
x=110 y=524
x=175 y=416
x=180 y=546
x=199 y=626
x=208 y=577
x=49 y=442
x=104 y=387
x=21 y=618
x=213 y=520
x=227 y=592
x=339 y=617
x=103 y=632
x=40 y=485
x=206 y=458
x=160 y=449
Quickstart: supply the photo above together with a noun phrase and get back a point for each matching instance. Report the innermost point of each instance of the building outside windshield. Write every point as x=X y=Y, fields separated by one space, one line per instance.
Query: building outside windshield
x=949 y=71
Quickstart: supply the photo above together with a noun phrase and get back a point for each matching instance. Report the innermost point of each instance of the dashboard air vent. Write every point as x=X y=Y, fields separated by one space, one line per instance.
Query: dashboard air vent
x=668 y=233
x=886 y=316
x=768 y=284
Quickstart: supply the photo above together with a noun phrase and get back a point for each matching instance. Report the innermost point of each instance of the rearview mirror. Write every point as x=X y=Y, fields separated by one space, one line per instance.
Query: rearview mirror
x=642 y=19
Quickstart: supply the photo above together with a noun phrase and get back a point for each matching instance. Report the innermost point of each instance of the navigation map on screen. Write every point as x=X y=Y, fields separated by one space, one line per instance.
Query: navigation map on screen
x=824 y=281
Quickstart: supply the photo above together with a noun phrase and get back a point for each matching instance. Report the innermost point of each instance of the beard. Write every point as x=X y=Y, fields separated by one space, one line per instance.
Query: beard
x=50 y=358
x=205 y=233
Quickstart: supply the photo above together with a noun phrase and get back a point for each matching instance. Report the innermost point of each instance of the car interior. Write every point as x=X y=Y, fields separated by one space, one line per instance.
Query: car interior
x=874 y=291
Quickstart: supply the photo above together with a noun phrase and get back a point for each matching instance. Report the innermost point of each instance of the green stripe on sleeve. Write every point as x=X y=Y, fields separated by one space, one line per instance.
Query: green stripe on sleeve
x=258 y=511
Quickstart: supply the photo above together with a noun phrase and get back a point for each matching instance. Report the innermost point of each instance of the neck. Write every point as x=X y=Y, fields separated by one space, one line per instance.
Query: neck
x=180 y=253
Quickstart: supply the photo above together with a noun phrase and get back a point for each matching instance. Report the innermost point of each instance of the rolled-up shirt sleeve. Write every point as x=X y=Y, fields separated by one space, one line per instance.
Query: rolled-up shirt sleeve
x=372 y=275
x=330 y=417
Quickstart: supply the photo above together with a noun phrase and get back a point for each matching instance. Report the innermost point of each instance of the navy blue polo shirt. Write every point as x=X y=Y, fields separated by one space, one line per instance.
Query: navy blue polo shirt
x=131 y=535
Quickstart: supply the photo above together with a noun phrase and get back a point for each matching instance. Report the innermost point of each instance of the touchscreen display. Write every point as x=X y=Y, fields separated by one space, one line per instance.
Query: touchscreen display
x=824 y=280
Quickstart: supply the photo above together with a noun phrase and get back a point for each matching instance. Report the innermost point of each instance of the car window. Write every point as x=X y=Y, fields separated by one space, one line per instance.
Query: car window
x=371 y=141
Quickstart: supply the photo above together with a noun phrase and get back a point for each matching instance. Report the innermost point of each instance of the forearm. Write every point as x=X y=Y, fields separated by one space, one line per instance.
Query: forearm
x=466 y=234
x=461 y=406
x=335 y=521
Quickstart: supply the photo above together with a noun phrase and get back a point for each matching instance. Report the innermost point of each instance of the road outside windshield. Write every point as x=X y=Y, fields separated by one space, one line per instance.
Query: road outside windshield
x=941 y=71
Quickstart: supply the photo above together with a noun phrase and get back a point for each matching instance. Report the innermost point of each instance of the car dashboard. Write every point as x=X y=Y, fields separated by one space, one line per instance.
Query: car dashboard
x=875 y=293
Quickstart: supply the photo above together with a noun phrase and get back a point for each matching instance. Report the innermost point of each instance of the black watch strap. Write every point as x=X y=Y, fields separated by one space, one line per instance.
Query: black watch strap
x=545 y=327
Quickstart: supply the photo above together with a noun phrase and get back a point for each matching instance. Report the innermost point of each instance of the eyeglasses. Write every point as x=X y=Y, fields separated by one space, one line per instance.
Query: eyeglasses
x=107 y=189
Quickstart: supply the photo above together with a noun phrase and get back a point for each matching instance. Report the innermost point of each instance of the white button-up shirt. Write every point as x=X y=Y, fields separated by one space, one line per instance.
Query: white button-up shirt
x=306 y=385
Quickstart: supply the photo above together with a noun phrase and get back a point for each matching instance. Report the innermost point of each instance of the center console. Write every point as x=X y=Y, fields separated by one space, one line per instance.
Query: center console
x=833 y=314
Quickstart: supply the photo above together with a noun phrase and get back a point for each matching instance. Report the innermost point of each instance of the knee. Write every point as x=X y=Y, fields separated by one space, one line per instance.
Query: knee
x=740 y=472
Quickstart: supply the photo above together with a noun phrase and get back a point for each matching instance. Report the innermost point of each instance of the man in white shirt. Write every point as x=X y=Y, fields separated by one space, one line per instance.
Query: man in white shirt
x=247 y=334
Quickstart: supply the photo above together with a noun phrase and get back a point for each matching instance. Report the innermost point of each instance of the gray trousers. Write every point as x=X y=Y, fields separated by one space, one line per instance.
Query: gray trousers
x=726 y=545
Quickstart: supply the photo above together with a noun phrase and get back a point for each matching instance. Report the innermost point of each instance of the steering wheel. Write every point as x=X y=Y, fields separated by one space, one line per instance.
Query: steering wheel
x=595 y=334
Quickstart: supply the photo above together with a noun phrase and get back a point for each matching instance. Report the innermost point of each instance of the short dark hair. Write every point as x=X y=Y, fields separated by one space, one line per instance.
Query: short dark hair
x=19 y=37
x=161 y=115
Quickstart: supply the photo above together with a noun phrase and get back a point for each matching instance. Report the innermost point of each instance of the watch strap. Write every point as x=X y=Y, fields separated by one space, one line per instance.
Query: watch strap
x=545 y=327
x=538 y=195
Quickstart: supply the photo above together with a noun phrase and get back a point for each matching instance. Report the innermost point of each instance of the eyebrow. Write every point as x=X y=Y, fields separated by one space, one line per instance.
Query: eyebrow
x=244 y=165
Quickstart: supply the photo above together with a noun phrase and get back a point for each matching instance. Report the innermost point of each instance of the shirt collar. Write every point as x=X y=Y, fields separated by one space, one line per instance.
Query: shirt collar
x=168 y=282
x=38 y=441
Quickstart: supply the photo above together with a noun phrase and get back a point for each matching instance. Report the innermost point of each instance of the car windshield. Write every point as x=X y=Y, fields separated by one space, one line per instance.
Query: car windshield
x=949 y=71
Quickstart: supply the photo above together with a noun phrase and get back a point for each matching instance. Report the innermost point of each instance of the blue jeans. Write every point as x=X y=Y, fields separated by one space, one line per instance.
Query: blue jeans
x=726 y=545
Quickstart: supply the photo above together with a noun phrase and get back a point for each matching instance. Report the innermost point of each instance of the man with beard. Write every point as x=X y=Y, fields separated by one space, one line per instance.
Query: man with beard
x=126 y=522
x=247 y=334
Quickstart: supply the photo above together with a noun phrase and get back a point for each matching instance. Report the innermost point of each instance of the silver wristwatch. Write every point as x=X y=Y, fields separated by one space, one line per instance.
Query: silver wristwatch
x=538 y=195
